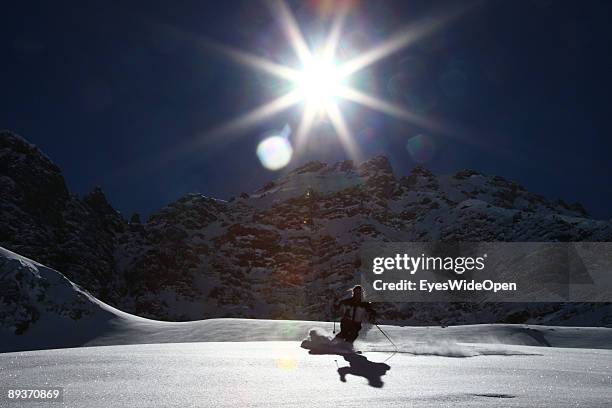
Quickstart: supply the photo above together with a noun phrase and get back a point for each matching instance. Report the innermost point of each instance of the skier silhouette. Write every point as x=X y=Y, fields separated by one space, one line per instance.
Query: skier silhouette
x=354 y=311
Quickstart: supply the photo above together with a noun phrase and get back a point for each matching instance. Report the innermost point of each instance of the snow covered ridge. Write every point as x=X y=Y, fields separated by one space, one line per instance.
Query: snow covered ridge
x=283 y=251
x=41 y=308
x=29 y=290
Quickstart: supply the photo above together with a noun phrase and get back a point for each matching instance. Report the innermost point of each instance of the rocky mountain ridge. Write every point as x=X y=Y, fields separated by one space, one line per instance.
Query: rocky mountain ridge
x=281 y=252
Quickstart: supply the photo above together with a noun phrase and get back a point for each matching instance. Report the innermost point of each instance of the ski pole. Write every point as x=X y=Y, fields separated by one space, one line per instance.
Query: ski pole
x=334 y=332
x=385 y=334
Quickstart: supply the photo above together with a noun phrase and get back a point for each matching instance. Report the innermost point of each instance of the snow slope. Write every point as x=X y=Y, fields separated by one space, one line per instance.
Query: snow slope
x=248 y=362
x=271 y=374
x=41 y=308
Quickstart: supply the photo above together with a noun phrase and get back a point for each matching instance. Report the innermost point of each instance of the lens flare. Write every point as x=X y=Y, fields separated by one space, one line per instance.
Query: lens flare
x=286 y=361
x=422 y=148
x=274 y=152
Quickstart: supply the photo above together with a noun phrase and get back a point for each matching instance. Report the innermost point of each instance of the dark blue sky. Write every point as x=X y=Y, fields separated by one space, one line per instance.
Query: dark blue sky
x=111 y=90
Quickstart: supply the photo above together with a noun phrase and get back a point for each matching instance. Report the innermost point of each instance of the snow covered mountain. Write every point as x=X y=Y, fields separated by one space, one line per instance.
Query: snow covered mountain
x=283 y=251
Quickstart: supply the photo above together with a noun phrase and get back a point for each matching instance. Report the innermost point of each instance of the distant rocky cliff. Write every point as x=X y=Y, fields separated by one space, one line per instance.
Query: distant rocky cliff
x=283 y=251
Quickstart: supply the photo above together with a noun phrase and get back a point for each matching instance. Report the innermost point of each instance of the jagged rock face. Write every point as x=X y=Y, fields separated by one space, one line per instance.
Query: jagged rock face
x=42 y=221
x=290 y=247
x=32 y=193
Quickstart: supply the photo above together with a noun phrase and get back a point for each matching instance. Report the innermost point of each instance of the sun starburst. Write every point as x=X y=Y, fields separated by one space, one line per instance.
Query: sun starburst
x=321 y=82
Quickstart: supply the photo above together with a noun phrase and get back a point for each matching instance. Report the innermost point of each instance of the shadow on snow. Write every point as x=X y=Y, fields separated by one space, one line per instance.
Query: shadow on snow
x=359 y=365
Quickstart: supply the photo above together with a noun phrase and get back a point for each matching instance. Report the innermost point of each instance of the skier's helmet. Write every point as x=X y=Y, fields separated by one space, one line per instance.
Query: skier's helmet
x=357 y=290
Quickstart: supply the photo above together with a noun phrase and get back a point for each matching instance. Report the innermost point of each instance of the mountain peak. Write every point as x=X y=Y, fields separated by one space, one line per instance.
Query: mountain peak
x=96 y=199
x=31 y=181
x=15 y=150
x=377 y=164
x=420 y=177
x=422 y=171
x=310 y=167
x=17 y=143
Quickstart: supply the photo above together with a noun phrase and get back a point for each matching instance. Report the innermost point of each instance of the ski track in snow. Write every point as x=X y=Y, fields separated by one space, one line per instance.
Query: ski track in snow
x=320 y=341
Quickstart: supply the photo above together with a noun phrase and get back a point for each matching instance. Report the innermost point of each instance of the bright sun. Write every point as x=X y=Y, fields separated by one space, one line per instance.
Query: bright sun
x=319 y=82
